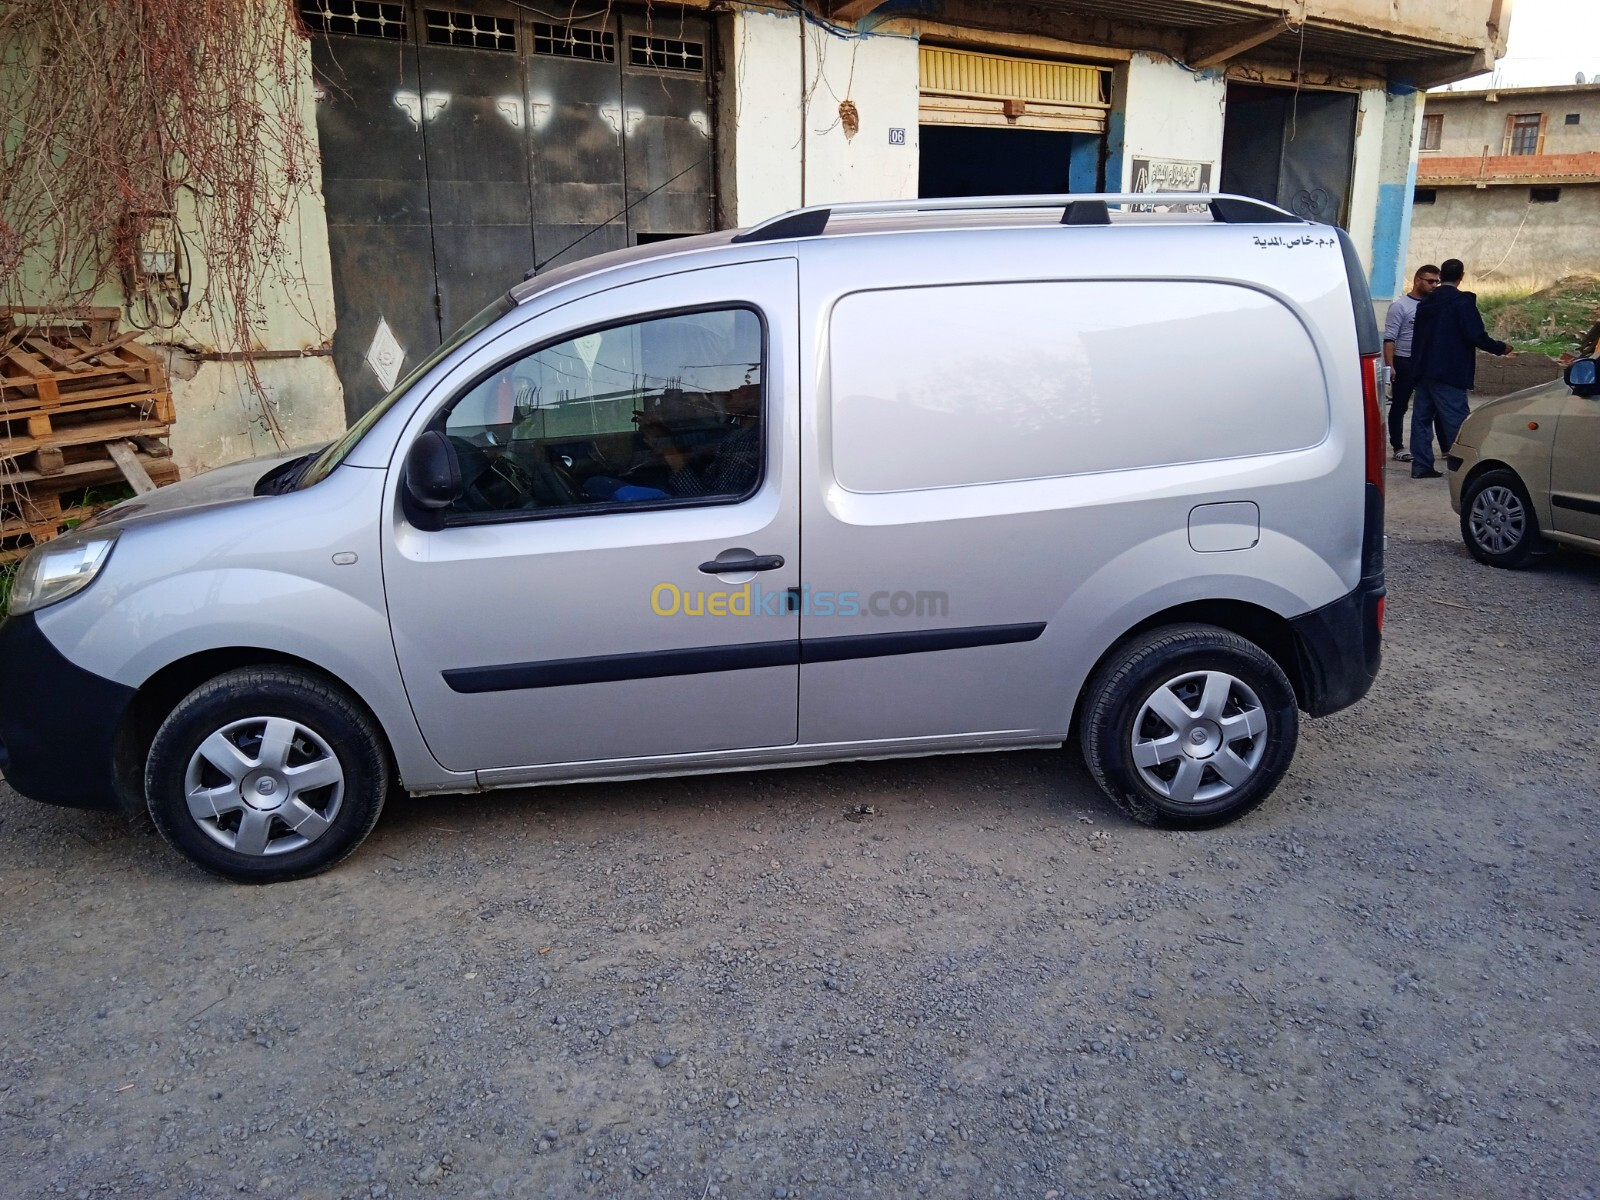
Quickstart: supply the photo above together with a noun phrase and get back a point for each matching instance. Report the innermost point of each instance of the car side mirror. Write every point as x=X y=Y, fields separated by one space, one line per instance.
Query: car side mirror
x=1581 y=377
x=433 y=471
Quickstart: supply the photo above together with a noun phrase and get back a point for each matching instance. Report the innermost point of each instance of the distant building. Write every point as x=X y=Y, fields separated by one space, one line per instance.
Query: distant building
x=1509 y=181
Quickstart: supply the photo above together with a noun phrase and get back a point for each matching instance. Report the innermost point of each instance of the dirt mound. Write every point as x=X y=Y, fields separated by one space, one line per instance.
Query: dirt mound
x=1552 y=320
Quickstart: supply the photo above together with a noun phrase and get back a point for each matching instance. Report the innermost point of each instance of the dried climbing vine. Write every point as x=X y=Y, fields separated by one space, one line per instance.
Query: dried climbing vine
x=116 y=116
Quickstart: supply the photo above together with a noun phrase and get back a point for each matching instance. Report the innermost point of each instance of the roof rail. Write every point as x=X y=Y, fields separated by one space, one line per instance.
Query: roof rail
x=1076 y=209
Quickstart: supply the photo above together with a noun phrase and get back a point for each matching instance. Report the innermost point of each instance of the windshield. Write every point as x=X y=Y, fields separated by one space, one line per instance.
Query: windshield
x=322 y=466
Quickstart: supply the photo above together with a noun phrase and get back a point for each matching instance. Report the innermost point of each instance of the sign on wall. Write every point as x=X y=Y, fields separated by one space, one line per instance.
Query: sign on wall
x=1170 y=175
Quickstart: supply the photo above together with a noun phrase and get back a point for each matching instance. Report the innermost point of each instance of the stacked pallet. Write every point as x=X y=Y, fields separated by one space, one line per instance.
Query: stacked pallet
x=82 y=406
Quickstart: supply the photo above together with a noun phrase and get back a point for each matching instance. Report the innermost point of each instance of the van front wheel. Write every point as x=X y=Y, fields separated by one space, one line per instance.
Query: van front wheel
x=1189 y=726
x=266 y=774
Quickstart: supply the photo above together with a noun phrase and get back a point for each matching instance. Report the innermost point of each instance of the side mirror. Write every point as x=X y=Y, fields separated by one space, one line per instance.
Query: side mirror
x=1581 y=377
x=433 y=471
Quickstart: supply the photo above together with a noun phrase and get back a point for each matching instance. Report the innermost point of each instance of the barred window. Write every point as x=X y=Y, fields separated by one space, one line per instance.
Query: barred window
x=596 y=45
x=359 y=18
x=470 y=29
x=666 y=53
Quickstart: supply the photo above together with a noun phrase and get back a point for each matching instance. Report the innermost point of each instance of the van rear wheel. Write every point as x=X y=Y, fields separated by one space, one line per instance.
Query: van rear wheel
x=1189 y=727
x=266 y=774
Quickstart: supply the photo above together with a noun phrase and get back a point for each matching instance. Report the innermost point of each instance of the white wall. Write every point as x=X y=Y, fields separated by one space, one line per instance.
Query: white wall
x=785 y=145
x=1162 y=110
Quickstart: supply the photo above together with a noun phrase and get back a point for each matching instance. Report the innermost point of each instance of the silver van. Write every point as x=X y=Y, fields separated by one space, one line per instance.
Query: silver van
x=864 y=482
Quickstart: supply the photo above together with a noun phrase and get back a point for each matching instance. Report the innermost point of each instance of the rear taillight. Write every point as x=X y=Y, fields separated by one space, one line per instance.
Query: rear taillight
x=1373 y=415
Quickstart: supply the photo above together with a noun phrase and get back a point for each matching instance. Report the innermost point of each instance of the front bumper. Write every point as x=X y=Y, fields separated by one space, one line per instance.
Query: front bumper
x=58 y=722
x=1340 y=648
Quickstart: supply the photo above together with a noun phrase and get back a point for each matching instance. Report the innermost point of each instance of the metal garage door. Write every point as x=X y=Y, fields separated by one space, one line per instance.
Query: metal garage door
x=465 y=142
x=963 y=87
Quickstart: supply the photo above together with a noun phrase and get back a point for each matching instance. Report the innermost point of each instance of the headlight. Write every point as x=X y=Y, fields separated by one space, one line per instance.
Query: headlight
x=60 y=569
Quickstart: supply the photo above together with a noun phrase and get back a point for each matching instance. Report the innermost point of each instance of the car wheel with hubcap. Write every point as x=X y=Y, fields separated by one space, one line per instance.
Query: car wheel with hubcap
x=266 y=774
x=1189 y=726
x=1497 y=520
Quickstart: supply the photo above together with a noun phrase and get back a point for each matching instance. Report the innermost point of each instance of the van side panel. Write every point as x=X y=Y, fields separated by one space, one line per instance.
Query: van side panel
x=987 y=383
x=1020 y=424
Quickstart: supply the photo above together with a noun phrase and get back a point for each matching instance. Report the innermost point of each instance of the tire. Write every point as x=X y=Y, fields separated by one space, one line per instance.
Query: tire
x=1498 y=522
x=1230 y=738
x=266 y=774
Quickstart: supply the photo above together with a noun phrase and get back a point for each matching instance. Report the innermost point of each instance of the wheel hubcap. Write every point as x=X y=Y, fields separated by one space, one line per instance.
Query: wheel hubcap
x=264 y=786
x=1498 y=519
x=1200 y=737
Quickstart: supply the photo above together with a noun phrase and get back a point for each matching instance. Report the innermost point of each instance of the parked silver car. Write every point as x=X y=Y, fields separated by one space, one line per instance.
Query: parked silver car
x=883 y=480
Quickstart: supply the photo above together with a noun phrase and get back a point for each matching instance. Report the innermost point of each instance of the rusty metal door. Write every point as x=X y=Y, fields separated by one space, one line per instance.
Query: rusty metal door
x=465 y=142
x=474 y=132
x=375 y=186
x=667 y=123
x=575 y=139
x=1296 y=150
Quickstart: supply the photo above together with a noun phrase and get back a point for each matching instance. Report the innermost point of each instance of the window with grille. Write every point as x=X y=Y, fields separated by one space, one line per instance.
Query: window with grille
x=666 y=53
x=1525 y=133
x=470 y=29
x=596 y=45
x=359 y=18
x=1432 y=131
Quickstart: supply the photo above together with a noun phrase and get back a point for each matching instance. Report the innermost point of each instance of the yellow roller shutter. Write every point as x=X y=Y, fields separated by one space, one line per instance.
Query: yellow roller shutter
x=963 y=87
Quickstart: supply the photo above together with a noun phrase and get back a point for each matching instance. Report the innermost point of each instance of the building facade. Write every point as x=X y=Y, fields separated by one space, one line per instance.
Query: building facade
x=465 y=142
x=1509 y=181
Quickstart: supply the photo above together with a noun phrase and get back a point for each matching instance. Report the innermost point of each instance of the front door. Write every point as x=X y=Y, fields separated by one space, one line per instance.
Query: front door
x=613 y=452
x=1575 y=469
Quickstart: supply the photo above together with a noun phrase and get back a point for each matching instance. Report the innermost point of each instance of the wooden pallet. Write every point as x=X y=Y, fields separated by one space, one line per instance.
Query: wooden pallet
x=98 y=324
x=48 y=452
x=39 y=376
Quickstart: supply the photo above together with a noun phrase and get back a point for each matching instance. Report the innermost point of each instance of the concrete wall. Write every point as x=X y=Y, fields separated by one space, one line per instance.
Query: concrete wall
x=221 y=416
x=1499 y=229
x=1472 y=121
x=786 y=144
x=1163 y=110
x=1399 y=113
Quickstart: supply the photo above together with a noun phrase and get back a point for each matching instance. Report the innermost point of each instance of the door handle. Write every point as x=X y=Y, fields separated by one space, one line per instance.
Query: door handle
x=736 y=566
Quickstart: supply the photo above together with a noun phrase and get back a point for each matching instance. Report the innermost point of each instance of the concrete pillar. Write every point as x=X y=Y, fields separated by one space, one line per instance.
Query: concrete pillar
x=1391 y=186
x=784 y=140
x=1161 y=110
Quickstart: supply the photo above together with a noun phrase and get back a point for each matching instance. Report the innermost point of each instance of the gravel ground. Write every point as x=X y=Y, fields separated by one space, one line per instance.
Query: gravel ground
x=1379 y=984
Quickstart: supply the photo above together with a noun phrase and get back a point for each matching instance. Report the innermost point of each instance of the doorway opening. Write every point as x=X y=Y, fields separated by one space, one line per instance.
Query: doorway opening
x=970 y=160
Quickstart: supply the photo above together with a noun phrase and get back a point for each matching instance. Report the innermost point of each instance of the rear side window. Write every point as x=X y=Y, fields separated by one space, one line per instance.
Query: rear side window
x=948 y=386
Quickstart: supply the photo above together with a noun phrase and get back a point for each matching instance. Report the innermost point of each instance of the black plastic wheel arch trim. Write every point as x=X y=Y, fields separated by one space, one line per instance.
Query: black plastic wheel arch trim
x=1339 y=648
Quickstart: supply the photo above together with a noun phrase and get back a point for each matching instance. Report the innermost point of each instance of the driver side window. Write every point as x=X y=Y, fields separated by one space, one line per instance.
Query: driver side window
x=646 y=413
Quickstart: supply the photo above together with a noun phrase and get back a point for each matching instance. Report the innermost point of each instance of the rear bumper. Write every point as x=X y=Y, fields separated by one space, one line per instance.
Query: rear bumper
x=58 y=722
x=1340 y=648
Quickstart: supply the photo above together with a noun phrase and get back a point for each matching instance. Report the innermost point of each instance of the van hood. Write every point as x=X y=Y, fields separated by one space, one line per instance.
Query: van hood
x=223 y=485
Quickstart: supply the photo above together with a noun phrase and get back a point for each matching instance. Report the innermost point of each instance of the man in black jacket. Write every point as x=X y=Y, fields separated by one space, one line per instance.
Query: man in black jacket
x=1449 y=332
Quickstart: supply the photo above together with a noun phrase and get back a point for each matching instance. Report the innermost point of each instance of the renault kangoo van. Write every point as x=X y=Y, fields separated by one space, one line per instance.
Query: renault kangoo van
x=872 y=481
